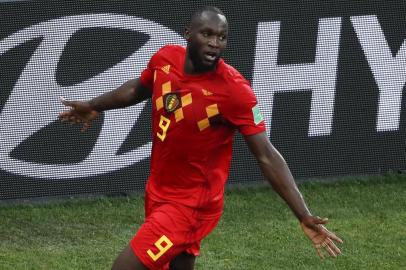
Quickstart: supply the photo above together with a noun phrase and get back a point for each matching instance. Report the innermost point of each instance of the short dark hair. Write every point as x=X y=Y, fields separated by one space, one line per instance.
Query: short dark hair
x=196 y=15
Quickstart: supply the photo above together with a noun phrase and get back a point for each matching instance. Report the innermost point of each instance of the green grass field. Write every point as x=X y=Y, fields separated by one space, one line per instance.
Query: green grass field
x=257 y=230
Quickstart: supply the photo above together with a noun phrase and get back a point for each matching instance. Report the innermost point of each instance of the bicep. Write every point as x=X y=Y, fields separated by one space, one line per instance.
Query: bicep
x=138 y=92
x=271 y=162
x=142 y=91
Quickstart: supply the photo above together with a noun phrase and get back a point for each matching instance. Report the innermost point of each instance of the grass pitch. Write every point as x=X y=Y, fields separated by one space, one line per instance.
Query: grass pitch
x=256 y=232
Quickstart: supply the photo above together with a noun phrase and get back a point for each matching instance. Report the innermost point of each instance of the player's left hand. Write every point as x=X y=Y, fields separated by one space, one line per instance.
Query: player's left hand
x=321 y=238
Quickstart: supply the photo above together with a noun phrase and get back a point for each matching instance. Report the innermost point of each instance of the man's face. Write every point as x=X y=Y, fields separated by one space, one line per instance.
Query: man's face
x=207 y=38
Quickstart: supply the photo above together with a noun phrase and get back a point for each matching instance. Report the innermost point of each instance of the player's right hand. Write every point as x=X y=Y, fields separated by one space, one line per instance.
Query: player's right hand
x=80 y=112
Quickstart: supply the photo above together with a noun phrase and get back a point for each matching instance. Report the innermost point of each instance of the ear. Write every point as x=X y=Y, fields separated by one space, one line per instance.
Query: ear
x=186 y=35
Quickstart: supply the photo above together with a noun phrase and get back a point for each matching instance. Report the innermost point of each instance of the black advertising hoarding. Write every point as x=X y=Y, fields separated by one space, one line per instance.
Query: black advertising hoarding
x=329 y=76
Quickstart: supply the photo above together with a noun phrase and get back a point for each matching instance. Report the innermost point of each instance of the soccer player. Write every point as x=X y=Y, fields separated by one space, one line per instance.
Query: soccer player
x=198 y=102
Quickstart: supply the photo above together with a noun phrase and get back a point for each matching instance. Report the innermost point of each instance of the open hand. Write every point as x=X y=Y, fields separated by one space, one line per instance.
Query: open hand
x=80 y=113
x=321 y=238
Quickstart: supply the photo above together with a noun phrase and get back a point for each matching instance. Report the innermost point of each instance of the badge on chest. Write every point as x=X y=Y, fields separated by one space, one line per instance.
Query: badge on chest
x=172 y=102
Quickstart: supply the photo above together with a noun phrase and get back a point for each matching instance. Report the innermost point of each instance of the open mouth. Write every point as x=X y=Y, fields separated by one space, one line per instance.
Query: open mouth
x=210 y=56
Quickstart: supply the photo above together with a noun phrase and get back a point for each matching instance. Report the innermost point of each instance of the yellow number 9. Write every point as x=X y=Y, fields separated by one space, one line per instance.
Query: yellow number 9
x=162 y=249
x=164 y=125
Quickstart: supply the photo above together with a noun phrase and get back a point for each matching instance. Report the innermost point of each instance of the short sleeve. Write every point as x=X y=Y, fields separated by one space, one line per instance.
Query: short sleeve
x=147 y=75
x=241 y=109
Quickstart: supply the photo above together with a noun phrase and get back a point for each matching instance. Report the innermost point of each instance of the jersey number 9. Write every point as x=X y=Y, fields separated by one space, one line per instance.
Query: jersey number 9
x=161 y=248
x=164 y=125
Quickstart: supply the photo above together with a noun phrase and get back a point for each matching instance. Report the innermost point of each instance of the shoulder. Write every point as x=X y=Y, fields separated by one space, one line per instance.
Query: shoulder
x=168 y=54
x=171 y=50
x=233 y=79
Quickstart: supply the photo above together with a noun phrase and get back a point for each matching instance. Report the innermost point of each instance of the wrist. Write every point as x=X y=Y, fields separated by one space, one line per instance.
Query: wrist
x=94 y=106
x=304 y=216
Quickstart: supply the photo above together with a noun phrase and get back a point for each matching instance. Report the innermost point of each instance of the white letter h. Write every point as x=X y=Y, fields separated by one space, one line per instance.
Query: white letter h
x=318 y=77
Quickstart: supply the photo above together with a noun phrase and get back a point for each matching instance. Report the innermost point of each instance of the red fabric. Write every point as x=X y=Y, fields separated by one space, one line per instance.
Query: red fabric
x=190 y=165
x=182 y=226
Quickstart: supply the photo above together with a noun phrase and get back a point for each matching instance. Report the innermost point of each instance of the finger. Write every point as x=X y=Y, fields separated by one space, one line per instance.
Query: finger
x=334 y=237
x=64 y=114
x=319 y=251
x=65 y=102
x=74 y=116
x=330 y=251
x=333 y=246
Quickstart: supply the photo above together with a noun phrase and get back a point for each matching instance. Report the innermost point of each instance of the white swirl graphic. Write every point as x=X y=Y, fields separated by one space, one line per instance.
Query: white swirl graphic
x=21 y=117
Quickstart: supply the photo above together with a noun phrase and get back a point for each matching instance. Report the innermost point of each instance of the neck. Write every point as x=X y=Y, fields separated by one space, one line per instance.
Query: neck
x=192 y=68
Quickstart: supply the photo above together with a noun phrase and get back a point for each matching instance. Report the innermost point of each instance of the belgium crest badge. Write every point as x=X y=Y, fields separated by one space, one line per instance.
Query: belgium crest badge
x=171 y=102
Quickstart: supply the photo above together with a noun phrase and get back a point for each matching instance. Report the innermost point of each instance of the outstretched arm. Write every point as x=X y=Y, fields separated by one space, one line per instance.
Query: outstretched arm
x=278 y=174
x=130 y=93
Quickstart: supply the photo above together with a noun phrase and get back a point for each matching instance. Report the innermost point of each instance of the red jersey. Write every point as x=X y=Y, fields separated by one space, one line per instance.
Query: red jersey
x=194 y=119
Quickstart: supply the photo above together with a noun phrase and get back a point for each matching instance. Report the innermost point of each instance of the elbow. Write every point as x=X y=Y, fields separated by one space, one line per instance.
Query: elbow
x=268 y=155
x=264 y=160
x=271 y=162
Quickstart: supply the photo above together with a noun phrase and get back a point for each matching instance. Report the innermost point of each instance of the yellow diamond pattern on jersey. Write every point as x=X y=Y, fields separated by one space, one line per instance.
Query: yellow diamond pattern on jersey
x=211 y=110
x=203 y=124
x=159 y=103
x=179 y=114
x=185 y=100
x=166 y=88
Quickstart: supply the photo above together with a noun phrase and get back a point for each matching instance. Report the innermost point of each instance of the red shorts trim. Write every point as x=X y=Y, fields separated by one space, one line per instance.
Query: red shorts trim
x=168 y=230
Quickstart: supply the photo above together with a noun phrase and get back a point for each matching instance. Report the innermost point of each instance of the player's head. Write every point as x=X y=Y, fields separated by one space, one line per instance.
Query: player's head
x=206 y=37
